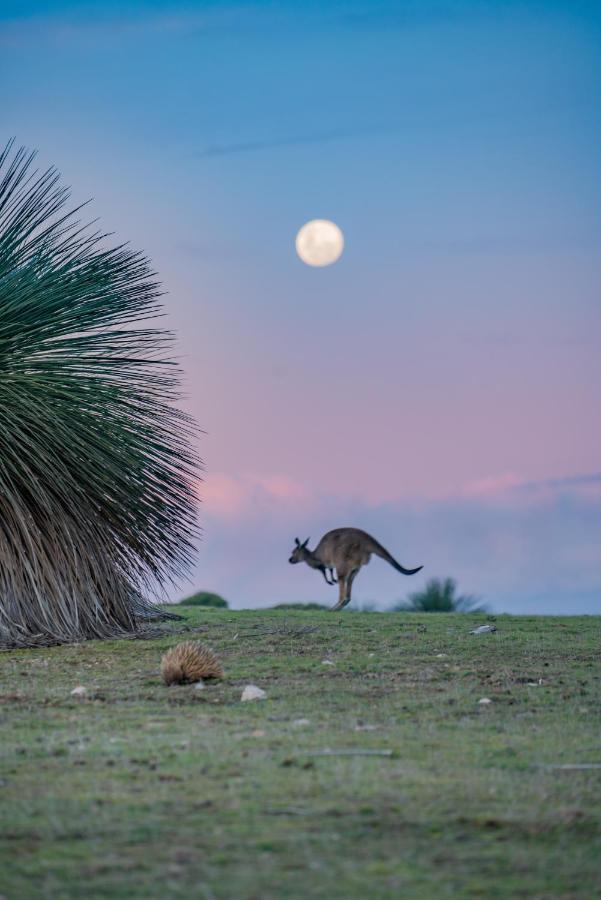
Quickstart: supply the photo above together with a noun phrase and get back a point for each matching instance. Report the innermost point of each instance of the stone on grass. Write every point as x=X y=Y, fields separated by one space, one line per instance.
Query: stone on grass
x=484 y=629
x=79 y=691
x=485 y=701
x=252 y=692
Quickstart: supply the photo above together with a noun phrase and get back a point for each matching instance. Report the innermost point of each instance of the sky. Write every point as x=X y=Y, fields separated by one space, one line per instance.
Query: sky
x=439 y=385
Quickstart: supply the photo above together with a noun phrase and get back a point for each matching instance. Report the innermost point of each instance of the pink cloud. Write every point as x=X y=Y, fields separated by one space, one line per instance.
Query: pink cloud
x=507 y=487
x=492 y=485
x=226 y=495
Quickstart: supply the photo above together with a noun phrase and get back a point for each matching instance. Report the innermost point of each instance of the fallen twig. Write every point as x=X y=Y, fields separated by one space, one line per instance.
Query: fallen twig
x=291 y=811
x=288 y=632
x=349 y=753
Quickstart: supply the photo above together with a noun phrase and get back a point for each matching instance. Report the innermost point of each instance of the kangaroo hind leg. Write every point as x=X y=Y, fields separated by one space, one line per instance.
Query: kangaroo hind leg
x=341 y=591
x=349 y=585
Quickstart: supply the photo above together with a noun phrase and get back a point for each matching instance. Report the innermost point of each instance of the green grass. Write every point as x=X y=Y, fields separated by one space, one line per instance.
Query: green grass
x=140 y=790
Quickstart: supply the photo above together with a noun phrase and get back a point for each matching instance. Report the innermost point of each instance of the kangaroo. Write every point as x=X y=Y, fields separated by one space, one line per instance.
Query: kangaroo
x=346 y=550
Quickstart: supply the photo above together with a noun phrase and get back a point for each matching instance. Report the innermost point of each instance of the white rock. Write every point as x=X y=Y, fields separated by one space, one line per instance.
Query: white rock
x=441 y=656
x=485 y=701
x=484 y=629
x=327 y=662
x=252 y=692
x=79 y=691
x=300 y=723
x=199 y=686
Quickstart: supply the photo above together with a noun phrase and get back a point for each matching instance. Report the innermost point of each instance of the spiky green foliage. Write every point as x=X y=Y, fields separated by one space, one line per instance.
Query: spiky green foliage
x=97 y=470
x=439 y=596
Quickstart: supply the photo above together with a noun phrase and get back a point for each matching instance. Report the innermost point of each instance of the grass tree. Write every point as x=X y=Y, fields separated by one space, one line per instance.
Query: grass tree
x=97 y=466
x=440 y=595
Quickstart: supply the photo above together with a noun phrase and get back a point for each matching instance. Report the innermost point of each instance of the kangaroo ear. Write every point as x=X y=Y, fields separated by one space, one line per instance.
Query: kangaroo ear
x=297 y=542
x=306 y=542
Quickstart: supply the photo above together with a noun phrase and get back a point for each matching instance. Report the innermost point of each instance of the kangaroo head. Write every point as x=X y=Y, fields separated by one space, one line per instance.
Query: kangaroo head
x=299 y=551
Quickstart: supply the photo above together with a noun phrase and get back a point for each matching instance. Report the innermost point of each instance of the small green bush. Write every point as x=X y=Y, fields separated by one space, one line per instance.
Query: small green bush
x=204 y=598
x=439 y=596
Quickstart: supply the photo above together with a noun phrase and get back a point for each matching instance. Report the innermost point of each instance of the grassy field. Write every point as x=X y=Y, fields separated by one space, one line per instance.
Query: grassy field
x=139 y=790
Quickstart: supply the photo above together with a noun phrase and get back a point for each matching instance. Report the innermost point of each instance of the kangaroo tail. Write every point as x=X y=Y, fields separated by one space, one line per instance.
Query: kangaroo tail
x=379 y=550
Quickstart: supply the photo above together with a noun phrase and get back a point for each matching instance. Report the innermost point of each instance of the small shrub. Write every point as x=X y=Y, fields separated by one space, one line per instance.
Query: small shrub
x=439 y=596
x=204 y=598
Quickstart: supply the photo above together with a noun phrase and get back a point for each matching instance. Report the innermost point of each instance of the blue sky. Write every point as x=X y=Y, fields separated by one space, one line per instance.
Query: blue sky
x=446 y=370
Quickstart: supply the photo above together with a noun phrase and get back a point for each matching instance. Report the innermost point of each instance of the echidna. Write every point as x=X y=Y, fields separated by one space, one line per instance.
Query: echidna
x=189 y=662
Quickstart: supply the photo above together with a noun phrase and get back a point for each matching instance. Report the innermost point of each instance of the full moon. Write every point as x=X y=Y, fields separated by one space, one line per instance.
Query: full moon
x=319 y=242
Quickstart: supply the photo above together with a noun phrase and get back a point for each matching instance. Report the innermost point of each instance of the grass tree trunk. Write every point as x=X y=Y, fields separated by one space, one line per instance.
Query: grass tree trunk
x=97 y=467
